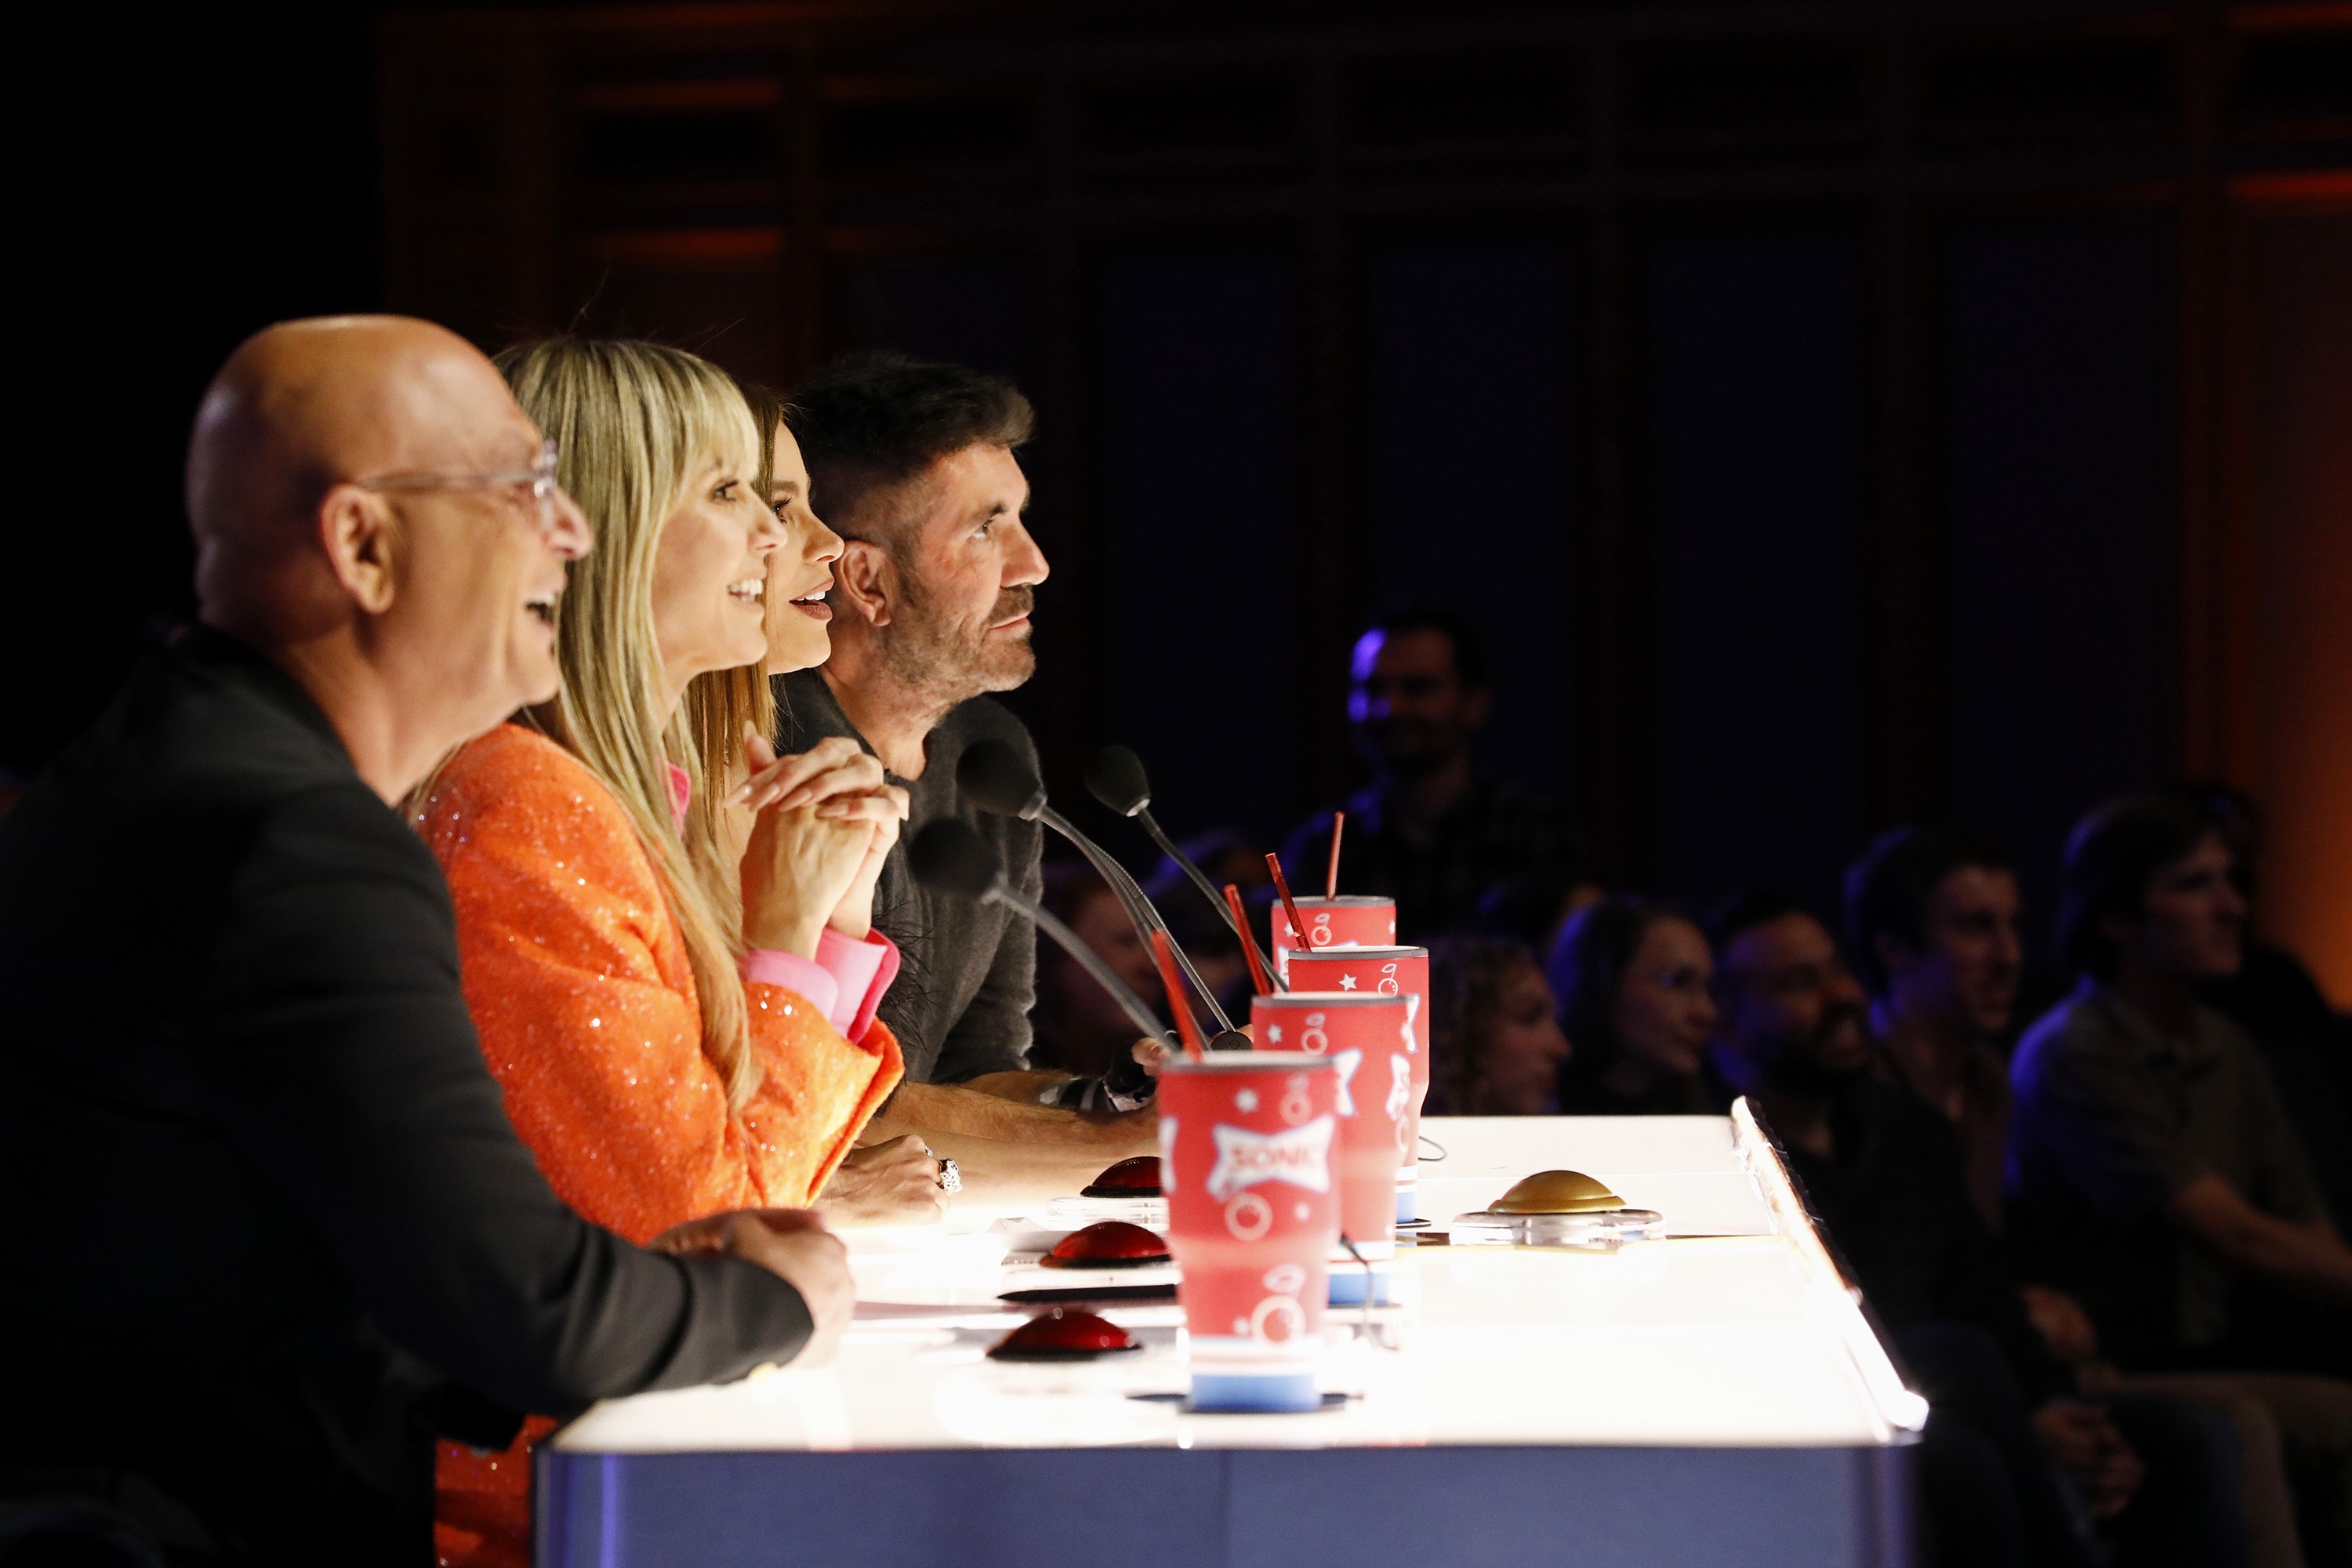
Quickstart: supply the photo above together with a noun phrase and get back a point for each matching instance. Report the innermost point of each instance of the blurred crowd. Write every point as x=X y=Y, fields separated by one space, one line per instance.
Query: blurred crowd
x=2104 y=1229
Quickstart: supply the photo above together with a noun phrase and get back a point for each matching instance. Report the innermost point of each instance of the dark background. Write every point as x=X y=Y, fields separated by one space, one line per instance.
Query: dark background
x=1836 y=415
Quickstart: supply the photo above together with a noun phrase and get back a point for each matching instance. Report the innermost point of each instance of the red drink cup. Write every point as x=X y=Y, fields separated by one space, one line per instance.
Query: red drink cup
x=1353 y=919
x=1248 y=1161
x=1368 y=1037
x=1385 y=972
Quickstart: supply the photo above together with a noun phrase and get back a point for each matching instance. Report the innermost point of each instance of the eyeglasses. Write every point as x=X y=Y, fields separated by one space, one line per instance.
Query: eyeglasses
x=540 y=480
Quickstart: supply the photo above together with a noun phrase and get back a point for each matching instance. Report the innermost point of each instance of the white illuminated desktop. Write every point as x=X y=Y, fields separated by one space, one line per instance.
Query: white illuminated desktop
x=1642 y=1392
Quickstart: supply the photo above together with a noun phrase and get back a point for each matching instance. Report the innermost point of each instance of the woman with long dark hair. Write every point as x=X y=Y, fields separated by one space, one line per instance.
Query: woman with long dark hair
x=1635 y=983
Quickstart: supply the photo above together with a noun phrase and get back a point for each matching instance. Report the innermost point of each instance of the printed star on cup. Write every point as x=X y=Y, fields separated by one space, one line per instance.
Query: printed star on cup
x=1347 y=982
x=1274 y=1034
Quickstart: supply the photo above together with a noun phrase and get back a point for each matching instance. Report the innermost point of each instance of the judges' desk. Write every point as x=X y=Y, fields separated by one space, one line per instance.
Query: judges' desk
x=1713 y=1398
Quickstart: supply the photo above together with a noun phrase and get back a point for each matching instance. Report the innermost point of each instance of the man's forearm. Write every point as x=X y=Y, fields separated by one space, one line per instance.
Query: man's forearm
x=1024 y=1087
x=1003 y=1170
x=929 y=1107
x=2307 y=1260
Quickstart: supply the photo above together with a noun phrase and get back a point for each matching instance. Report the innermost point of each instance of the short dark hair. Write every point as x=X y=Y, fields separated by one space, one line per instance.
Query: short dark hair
x=1745 y=910
x=1888 y=889
x=874 y=421
x=2110 y=855
x=1469 y=647
x=1587 y=969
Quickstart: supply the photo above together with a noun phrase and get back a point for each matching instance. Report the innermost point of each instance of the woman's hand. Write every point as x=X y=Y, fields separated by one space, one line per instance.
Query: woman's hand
x=834 y=766
x=892 y=1183
x=842 y=784
x=885 y=810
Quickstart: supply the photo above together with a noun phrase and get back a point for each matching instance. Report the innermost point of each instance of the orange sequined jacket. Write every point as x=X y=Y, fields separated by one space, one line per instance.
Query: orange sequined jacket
x=576 y=974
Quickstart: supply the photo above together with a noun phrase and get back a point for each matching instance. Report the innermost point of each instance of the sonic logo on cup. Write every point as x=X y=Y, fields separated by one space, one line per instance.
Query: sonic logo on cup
x=1285 y=1279
x=1348 y=1062
x=1318 y=930
x=1301 y=1156
x=1388 y=979
x=1314 y=1041
x=1297 y=1105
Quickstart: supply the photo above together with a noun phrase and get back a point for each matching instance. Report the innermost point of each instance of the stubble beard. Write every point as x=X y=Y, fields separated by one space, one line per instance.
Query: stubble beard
x=941 y=663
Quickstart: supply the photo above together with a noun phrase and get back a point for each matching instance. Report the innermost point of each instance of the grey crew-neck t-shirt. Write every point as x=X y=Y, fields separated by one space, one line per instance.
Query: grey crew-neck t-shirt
x=968 y=972
x=2112 y=1120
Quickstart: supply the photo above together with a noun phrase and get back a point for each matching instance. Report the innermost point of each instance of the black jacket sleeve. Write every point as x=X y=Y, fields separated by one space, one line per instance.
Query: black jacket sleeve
x=336 y=1049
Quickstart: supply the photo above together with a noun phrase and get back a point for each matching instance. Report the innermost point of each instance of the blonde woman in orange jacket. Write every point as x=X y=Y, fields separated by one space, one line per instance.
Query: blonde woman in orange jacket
x=677 y=1002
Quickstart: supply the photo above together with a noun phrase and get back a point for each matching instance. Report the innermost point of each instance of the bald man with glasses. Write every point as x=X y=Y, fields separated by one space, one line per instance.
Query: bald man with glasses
x=264 y=1229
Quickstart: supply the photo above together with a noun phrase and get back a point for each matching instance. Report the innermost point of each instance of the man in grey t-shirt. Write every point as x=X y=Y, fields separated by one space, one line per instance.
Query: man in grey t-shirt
x=912 y=463
x=2153 y=1174
x=2151 y=1168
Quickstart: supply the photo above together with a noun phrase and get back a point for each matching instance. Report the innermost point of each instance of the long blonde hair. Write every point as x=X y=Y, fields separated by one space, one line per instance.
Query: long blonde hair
x=632 y=424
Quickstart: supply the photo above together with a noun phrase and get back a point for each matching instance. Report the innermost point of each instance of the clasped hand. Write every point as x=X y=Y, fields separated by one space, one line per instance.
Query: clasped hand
x=823 y=823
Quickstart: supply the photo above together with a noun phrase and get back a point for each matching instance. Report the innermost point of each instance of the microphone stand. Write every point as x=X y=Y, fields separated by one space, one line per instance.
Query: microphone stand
x=1208 y=891
x=1000 y=891
x=1138 y=908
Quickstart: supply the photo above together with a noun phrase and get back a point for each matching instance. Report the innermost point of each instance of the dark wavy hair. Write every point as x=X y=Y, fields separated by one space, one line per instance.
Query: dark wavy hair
x=1888 y=889
x=876 y=420
x=1587 y=968
x=2110 y=857
x=1467 y=975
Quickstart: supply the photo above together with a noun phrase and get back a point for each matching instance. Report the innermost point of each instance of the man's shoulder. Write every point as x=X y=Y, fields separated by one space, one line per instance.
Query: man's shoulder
x=807 y=711
x=1892 y=1106
x=978 y=718
x=2087 y=1037
x=1502 y=802
x=193 y=746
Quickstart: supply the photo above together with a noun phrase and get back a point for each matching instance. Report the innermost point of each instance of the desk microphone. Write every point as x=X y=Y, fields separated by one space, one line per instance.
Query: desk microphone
x=1116 y=778
x=995 y=778
x=948 y=857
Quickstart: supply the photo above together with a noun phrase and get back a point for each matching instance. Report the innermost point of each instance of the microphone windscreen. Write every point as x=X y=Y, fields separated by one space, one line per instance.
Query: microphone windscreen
x=1115 y=777
x=949 y=857
x=996 y=778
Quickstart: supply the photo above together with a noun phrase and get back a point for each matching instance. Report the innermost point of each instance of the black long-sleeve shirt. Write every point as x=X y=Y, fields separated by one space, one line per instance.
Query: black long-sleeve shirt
x=261 y=1213
x=1893 y=1198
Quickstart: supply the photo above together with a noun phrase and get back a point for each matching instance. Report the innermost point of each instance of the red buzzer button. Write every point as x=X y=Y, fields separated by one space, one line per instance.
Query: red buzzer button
x=1063 y=1335
x=1135 y=1178
x=1109 y=1244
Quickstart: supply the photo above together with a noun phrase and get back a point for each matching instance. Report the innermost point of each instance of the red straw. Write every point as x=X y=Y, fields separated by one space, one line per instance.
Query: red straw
x=1184 y=1029
x=1289 y=904
x=1258 y=977
x=1331 y=872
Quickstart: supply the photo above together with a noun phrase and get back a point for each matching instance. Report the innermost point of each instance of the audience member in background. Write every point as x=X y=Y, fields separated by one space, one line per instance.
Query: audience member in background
x=1495 y=1045
x=2153 y=1172
x=1932 y=920
x=1079 y=1029
x=263 y=1223
x=1203 y=932
x=1932 y=915
x=1636 y=982
x=1884 y=1174
x=913 y=464
x=1223 y=856
x=1428 y=832
x=2151 y=1162
x=2305 y=1043
x=600 y=922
